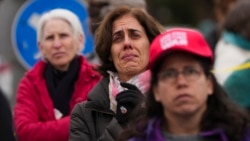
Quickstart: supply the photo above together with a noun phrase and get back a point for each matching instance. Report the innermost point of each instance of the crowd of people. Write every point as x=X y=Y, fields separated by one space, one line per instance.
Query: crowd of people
x=144 y=82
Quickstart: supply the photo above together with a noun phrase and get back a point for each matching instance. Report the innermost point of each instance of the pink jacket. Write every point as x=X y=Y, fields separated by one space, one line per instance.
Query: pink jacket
x=34 y=116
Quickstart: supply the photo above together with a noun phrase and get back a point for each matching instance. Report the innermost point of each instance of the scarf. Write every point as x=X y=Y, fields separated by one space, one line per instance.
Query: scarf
x=141 y=81
x=61 y=85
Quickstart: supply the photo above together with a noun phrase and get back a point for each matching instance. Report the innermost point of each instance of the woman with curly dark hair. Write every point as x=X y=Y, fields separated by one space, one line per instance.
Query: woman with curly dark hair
x=185 y=102
x=122 y=44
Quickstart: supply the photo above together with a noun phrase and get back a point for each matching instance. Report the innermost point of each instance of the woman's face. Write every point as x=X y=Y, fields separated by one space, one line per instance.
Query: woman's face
x=130 y=47
x=58 y=44
x=183 y=87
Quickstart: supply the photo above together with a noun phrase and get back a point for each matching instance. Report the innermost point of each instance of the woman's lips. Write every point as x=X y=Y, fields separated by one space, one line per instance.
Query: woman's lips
x=129 y=57
x=183 y=97
x=58 y=54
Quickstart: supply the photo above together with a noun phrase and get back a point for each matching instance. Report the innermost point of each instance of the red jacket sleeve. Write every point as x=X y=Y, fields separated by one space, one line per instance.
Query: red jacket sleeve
x=32 y=123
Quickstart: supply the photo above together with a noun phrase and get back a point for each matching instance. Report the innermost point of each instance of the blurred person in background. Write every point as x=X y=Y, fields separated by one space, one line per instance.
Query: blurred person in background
x=6 y=78
x=6 y=120
x=122 y=44
x=233 y=54
x=221 y=8
x=48 y=92
x=185 y=102
x=98 y=9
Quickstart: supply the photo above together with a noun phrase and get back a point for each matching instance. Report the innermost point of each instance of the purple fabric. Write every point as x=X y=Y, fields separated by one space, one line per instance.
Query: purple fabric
x=153 y=133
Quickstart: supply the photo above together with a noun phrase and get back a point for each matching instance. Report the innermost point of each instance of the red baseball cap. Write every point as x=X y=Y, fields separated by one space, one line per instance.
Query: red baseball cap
x=179 y=39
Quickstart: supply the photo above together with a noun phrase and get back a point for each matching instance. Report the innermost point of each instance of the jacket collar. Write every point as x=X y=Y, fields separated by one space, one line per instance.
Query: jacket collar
x=236 y=39
x=98 y=98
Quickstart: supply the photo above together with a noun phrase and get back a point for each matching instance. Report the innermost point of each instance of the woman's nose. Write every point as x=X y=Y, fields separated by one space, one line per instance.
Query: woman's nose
x=57 y=42
x=127 y=42
x=180 y=78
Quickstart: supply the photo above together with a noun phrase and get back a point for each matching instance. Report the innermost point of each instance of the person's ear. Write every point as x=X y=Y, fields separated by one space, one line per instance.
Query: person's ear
x=40 y=47
x=81 y=41
x=210 y=85
x=156 y=94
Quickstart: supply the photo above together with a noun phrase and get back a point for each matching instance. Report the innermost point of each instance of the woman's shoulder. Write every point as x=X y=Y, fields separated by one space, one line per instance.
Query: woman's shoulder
x=99 y=95
x=36 y=71
x=100 y=87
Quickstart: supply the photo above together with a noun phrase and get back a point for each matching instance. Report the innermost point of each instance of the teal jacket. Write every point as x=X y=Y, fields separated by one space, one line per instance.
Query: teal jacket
x=237 y=86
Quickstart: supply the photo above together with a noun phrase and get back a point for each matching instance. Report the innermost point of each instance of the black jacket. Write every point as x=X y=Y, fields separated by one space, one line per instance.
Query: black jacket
x=93 y=120
x=6 y=124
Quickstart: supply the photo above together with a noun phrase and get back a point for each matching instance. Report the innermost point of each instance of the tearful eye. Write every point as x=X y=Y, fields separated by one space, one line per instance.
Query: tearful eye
x=135 y=37
x=116 y=38
x=135 y=34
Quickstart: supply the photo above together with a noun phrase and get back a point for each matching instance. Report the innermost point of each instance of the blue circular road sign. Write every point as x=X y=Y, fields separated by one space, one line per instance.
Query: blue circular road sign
x=24 y=27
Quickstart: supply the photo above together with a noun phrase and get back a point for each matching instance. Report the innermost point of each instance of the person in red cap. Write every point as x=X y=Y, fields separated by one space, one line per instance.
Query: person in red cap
x=185 y=102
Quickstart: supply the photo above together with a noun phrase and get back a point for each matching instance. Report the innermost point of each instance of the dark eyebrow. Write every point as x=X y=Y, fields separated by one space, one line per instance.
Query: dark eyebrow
x=190 y=66
x=130 y=30
x=117 y=32
x=170 y=69
x=134 y=30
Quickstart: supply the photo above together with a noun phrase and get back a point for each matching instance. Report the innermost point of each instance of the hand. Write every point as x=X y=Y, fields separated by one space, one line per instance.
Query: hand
x=127 y=101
